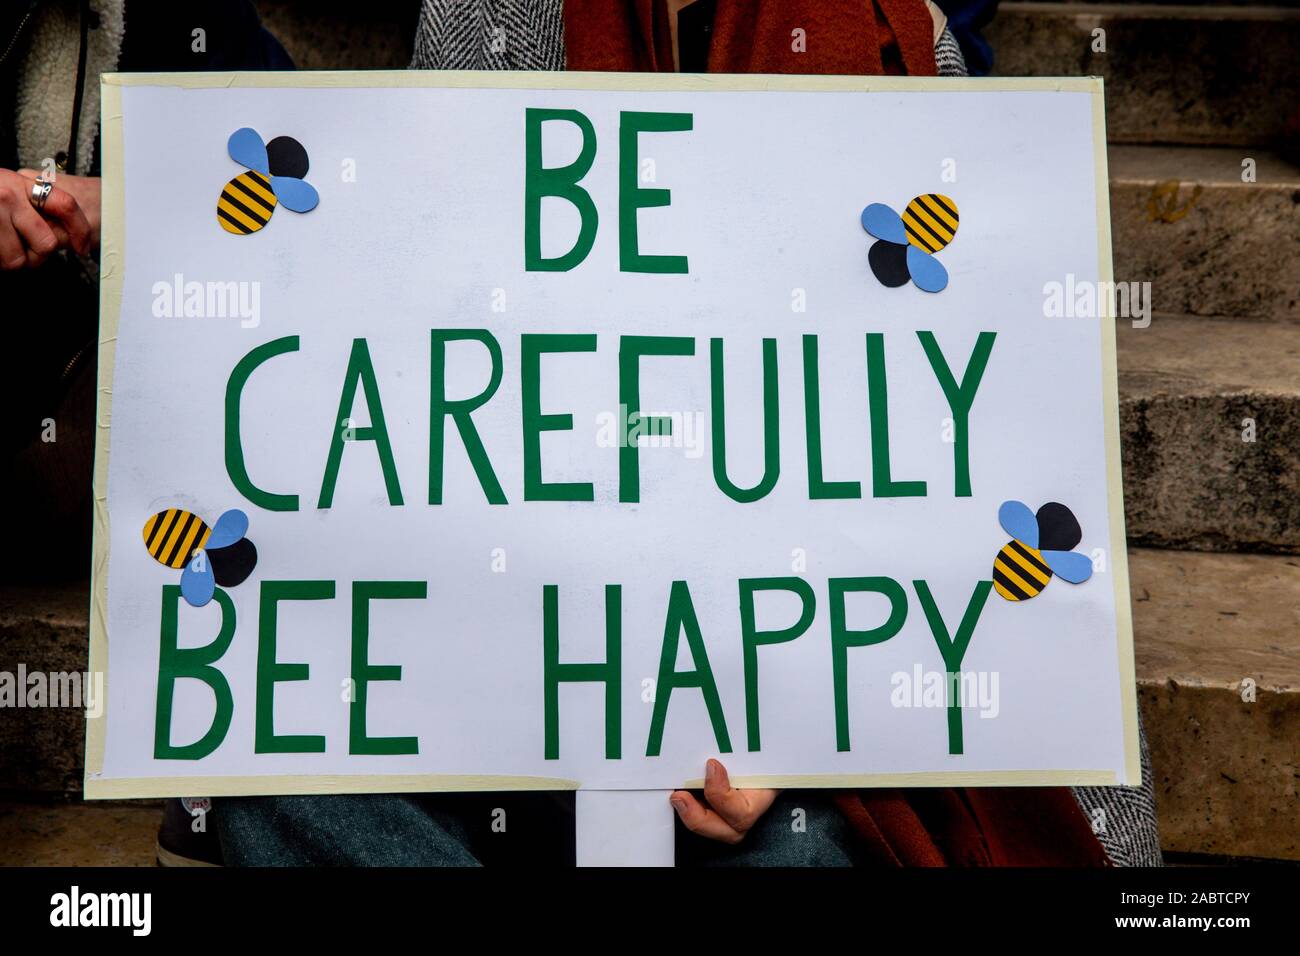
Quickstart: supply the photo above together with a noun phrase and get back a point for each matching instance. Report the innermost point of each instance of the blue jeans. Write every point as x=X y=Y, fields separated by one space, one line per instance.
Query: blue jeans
x=802 y=828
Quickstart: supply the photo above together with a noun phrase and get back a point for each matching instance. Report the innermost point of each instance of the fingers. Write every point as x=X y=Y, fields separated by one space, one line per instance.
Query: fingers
x=64 y=214
x=60 y=233
x=700 y=819
x=730 y=813
x=13 y=210
x=731 y=804
x=62 y=207
x=35 y=234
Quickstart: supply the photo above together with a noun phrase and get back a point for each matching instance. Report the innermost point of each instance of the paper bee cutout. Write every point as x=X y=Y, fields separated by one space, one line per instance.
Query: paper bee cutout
x=907 y=243
x=1041 y=545
x=275 y=177
x=210 y=556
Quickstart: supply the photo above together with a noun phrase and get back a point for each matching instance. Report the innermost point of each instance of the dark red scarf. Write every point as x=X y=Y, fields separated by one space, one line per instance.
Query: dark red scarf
x=992 y=826
x=853 y=37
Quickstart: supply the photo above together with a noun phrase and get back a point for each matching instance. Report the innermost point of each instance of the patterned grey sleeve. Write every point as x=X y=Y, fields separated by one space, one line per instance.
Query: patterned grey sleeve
x=1124 y=818
x=489 y=35
x=947 y=56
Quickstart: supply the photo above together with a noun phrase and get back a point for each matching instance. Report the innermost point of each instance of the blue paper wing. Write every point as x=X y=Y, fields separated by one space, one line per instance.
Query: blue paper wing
x=927 y=272
x=1019 y=522
x=197 y=585
x=1069 y=565
x=247 y=149
x=230 y=527
x=295 y=194
x=883 y=223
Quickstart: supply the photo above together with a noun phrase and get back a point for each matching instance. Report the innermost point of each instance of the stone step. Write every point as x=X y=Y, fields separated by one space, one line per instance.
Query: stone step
x=1226 y=75
x=1183 y=219
x=115 y=833
x=1218 y=666
x=1210 y=431
x=44 y=628
x=1205 y=625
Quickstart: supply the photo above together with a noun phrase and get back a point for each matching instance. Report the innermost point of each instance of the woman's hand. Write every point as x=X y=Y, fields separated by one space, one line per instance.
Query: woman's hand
x=85 y=190
x=731 y=813
x=28 y=237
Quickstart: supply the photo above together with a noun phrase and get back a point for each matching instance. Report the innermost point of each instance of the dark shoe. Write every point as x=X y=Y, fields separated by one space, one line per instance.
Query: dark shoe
x=186 y=836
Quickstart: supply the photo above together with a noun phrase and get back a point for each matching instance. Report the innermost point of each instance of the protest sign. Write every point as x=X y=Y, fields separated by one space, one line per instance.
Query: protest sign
x=509 y=431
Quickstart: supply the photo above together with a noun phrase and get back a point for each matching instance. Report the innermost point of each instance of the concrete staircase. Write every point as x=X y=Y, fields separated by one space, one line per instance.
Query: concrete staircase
x=1198 y=74
x=1199 y=98
x=1218 y=665
x=1213 y=519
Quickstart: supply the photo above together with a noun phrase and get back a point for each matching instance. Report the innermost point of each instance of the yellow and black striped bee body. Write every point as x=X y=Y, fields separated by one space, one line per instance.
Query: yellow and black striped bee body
x=173 y=536
x=1019 y=571
x=930 y=221
x=246 y=204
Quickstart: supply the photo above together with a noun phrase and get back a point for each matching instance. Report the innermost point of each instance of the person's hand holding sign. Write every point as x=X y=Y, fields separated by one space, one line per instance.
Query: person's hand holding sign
x=731 y=812
x=37 y=219
x=84 y=191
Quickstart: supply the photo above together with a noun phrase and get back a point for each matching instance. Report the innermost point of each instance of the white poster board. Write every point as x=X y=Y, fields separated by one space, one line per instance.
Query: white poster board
x=475 y=566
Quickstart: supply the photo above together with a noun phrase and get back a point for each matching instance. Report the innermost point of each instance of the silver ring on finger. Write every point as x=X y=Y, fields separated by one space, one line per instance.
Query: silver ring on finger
x=41 y=190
